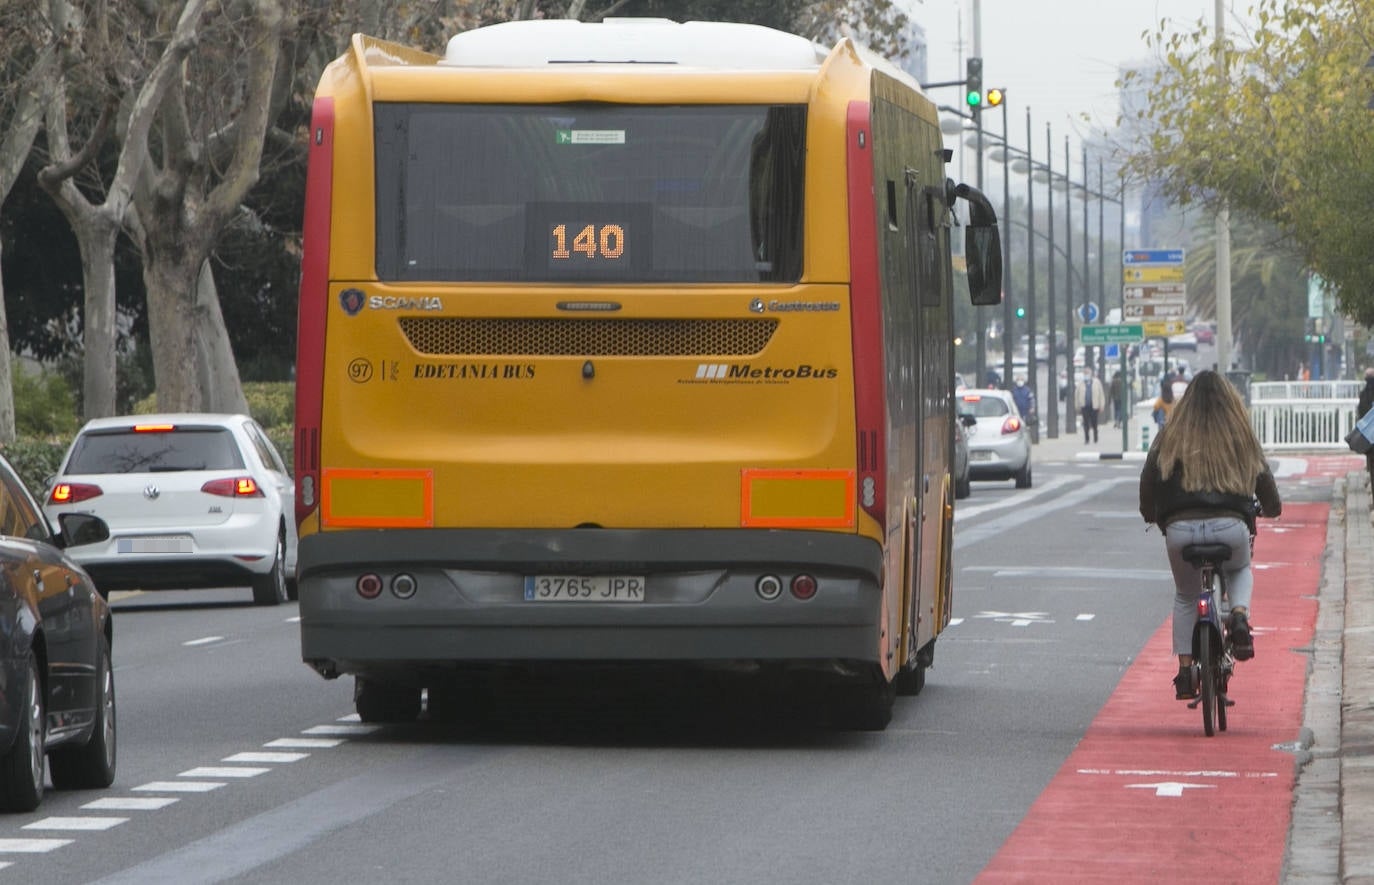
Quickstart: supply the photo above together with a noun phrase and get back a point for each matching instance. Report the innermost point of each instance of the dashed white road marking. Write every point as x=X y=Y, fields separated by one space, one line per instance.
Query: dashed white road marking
x=954 y=622
x=31 y=846
x=350 y=729
x=1017 y=619
x=265 y=757
x=294 y=620
x=76 y=823
x=204 y=640
x=1086 y=616
x=179 y=787
x=305 y=743
x=131 y=803
x=224 y=771
x=1172 y=789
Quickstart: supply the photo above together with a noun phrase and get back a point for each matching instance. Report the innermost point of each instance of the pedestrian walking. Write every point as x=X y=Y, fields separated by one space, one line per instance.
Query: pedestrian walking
x=1091 y=397
x=1366 y=403
x=1117 y=394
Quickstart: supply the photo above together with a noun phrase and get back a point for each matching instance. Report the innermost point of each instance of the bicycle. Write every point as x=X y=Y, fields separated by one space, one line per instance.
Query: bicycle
x=1213 y=660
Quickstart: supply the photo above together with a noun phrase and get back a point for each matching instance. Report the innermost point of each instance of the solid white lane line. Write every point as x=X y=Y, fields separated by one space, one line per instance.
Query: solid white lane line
x=131 y=803
x=224 y=771
x=31 y=846
x=342 y=729
x=265 y=757
x=179 y=787
x=204 y=640
x=76 y=823
x=304 y=743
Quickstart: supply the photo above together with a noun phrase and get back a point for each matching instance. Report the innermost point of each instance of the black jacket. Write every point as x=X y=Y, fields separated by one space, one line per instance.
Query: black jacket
x=1163 y=501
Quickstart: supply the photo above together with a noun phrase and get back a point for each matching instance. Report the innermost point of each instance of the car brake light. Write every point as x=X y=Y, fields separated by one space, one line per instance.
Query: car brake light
x=1011 y=425
x=233 y=487
x=72 y=492
x=154 y=428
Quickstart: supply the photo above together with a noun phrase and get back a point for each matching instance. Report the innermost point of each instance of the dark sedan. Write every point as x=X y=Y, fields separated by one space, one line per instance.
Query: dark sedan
x=57 y=696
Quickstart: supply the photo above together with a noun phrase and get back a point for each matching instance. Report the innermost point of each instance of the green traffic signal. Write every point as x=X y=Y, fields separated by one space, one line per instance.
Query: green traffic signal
x=973 y=83
x=1020 y=313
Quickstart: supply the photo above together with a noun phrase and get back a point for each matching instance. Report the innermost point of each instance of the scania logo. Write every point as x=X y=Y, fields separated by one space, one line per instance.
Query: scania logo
x=351 y=300
x=151 y=492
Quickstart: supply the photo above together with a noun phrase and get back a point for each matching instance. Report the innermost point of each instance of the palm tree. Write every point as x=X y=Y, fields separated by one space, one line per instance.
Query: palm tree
x=1268 y=294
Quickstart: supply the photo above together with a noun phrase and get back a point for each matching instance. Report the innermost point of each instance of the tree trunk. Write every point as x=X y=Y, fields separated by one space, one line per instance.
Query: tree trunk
x=216 y=371
x=6 y=379
x=171 y=332
x=95 y=236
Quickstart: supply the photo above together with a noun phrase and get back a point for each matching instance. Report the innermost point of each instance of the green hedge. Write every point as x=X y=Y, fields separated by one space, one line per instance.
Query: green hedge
x=44 y=434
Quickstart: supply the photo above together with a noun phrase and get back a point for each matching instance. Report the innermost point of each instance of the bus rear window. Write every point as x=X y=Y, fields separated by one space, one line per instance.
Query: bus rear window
x=589 y=193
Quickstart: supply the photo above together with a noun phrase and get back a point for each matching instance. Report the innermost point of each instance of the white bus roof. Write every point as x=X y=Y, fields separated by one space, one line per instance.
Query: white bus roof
x=538 y=42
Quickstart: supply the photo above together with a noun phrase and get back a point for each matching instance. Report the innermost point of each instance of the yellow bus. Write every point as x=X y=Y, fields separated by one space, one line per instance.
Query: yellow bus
x=627 y=343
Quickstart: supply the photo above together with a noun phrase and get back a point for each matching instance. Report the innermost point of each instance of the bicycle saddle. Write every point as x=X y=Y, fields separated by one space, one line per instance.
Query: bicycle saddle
x=1197 y=554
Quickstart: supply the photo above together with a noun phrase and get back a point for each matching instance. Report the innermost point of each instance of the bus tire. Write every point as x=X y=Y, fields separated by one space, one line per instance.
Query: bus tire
x=865 y=706
x=385 y=701
x=911 y=679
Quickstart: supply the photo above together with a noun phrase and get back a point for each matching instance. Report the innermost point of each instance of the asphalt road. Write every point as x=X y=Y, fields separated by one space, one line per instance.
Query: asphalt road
x=1057 y=588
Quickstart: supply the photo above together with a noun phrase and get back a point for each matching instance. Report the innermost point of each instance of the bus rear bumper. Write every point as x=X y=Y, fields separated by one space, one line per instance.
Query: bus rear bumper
x=700 y=601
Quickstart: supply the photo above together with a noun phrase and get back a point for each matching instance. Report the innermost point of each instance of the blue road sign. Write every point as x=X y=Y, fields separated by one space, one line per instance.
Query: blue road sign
x=1111 y=352
x=1088 y=313
x=1152 y=256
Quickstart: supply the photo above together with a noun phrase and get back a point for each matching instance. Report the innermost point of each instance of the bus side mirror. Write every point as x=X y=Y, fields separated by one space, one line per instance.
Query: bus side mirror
x=982 y=249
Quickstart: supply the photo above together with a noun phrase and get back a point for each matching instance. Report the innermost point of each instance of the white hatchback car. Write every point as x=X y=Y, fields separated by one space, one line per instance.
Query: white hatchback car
x=998 y=444
x=192 y=501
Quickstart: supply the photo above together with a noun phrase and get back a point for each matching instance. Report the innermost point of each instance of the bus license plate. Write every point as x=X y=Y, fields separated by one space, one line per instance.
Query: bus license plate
x=584 y=588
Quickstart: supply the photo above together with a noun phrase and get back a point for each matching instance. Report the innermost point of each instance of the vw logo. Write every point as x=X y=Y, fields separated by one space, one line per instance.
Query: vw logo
x=151 y=492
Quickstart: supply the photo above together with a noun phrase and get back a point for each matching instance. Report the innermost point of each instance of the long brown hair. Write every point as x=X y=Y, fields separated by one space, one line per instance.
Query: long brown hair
x=1209 y=439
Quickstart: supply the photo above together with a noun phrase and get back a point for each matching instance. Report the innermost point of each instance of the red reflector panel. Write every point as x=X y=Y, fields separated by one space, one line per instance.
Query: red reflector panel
x=154 y=428
x=72 y=492
x=233 y=487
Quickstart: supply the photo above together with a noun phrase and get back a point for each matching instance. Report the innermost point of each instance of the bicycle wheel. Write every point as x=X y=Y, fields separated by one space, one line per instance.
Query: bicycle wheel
x=1208 y=667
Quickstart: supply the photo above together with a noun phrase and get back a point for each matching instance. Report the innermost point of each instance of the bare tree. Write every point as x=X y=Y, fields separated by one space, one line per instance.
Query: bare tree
x=97 y=225
x=27 y=41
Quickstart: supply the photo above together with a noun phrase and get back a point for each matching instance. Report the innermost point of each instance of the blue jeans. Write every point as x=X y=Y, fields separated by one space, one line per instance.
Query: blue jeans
x=1228 y=530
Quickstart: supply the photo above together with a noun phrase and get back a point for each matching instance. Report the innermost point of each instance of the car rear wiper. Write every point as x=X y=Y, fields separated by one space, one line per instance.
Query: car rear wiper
x=174 y=468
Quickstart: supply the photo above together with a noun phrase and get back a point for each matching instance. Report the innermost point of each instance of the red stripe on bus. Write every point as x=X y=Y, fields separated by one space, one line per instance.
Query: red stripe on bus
x=866 y=313
x=313 y=306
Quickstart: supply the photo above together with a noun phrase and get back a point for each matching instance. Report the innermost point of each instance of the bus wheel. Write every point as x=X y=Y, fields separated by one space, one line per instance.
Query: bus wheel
x=866 y=705
x=385 y=702
x=911 y=679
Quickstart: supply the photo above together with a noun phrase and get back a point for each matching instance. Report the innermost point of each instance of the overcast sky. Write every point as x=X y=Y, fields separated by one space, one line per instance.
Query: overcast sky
x=1060 y=58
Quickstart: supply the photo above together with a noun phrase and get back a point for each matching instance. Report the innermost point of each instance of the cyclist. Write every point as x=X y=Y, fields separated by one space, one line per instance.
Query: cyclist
x=1199 y=484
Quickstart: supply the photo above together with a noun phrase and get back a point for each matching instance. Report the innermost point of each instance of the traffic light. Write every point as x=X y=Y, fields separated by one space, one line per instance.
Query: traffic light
x=973 y=83
x=996 y=97
x=1020 y=313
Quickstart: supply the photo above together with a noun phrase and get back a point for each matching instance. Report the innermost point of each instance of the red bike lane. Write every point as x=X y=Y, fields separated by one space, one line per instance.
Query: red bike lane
x=1145 y=796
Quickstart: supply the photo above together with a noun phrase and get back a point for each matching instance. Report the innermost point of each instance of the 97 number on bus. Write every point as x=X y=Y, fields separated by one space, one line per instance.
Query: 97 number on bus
x=608 y=242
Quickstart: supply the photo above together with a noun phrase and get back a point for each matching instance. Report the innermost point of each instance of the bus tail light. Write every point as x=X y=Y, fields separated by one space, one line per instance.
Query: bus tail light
x=866 y=321
x=313 y=306
x=804 y=586
x=768 y=587
x=72 y=492
x=369 y=585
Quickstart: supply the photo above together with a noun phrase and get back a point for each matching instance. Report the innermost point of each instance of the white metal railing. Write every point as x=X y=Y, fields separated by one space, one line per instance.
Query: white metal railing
x=1289 y=414
x=1332 y=390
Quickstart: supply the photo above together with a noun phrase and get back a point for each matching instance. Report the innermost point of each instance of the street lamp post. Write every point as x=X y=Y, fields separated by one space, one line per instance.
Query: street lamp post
x=1069 y=338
